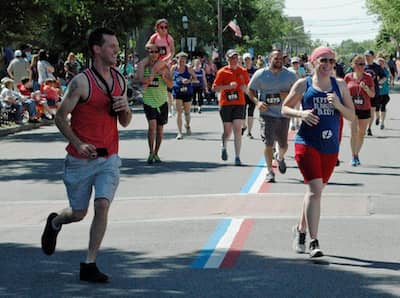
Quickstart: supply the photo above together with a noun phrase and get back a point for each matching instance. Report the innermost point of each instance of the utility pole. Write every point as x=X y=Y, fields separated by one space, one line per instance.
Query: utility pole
x=219 y=16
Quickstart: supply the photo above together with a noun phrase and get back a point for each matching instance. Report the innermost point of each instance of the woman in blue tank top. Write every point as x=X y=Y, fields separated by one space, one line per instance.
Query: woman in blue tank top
x=323 y=99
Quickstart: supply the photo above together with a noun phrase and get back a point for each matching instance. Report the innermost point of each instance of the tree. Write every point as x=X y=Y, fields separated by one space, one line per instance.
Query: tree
x=388 y=12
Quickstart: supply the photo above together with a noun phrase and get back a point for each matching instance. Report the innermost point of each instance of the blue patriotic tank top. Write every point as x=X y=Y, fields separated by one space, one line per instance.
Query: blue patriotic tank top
x=325 y=135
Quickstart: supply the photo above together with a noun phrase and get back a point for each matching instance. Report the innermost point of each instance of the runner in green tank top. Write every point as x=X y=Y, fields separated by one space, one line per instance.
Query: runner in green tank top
x=155 y=76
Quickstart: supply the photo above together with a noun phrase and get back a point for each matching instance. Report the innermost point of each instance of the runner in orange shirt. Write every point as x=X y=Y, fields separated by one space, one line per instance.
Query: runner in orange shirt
x=231 y=84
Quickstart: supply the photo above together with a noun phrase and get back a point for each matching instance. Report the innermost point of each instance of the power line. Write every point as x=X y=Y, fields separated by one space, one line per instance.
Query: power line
x=326 y=7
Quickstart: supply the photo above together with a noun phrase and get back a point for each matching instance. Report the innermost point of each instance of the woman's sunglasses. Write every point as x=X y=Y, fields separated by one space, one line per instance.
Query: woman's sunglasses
x=163 y=27
x=326 y=60
x=152 y=52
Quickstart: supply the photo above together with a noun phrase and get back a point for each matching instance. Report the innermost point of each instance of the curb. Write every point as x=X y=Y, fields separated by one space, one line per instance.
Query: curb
x=4 y=131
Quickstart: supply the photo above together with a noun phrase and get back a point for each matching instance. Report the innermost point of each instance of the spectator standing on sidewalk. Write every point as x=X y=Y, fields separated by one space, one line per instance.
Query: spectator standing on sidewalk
x=18 y=68
x=323 y=99
x=272 y=84
x=71 y=67
x=45 y=69
x=96 y=100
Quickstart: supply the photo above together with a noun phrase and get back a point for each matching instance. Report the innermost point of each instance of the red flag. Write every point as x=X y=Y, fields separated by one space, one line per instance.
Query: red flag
x=235 y=27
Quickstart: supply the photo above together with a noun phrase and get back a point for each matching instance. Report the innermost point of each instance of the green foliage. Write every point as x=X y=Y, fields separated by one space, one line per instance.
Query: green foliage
x=388 y=11
x=63 y=25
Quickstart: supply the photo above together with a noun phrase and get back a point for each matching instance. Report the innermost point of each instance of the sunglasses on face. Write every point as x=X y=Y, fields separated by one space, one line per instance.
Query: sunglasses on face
x=360 y=64
x=326 y=60
x=152 y=52
x=163 y=27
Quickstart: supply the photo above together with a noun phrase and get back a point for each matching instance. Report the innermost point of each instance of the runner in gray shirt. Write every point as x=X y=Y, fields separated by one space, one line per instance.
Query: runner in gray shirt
x=272 y=86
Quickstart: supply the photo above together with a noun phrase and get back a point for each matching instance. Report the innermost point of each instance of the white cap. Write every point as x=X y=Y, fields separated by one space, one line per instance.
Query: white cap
x=295 y=59
x=246 y=55
x=17 y=53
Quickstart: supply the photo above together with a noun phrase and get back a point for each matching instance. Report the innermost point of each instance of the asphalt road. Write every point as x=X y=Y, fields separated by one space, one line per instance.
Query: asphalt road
x=166 y=216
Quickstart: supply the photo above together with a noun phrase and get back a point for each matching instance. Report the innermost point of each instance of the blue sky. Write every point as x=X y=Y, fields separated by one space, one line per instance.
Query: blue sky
x=334 y=21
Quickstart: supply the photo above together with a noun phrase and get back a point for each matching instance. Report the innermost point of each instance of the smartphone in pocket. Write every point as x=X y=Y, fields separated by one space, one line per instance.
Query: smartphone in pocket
x=101 y=152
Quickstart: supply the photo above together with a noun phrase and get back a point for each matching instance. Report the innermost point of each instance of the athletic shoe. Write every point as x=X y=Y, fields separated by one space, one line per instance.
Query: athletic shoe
x=238 y=161
x=150 y=159
x=90 y=272
x=377 y=121
x=156 y=158
x=315 y=251
x=357 y=161
x=224 y=154
x=49 y=236
x=369 y=132
x=382 y=126
x=353 y=162
x=188 y=130
x=250 y=136
x=299 y=241
x=270 y=177
x=179 y=136
x=243 y=130
x=281 y=163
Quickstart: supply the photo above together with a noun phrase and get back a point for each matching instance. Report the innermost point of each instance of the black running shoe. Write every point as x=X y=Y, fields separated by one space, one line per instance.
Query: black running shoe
x=369 y=132
x=90 y=272
x=49 y=236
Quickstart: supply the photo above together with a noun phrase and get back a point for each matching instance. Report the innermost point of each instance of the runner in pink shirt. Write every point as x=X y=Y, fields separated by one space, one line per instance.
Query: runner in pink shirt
x=163 y=40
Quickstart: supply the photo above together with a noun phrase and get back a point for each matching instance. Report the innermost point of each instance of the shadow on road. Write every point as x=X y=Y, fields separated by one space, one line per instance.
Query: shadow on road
x=29 y=273
x=51 y=169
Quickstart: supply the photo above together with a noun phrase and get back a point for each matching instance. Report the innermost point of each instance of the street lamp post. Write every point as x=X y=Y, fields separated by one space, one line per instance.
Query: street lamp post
x=185 y=25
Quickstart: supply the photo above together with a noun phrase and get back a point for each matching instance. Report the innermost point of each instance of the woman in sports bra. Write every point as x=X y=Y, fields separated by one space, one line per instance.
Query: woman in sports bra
x=323 y=99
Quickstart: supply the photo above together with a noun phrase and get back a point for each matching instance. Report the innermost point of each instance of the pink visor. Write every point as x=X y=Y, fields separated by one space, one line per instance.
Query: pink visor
x=318 y=52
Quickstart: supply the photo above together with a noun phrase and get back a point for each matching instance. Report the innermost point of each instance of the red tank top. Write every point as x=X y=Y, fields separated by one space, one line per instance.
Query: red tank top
x=91 y=121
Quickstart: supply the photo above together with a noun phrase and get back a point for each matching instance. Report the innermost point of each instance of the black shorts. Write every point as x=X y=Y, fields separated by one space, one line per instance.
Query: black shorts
x=383 y=101
x=160 y=114
x=250 y=106
x=363 y=114
x=230 y=113
x=374 y=101
x=184 y=97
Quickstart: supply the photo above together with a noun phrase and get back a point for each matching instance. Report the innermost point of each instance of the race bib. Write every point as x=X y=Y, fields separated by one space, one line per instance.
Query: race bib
x=273 y=99
x=358 y=100
x=231 y=96
x=162 y=50
x=183 y=89
x=154 y=83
